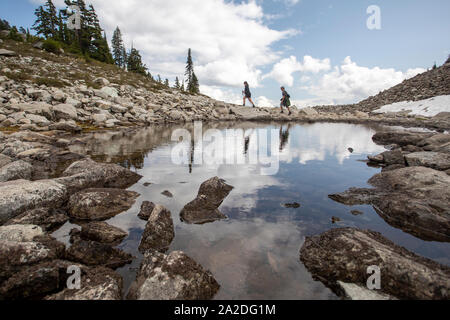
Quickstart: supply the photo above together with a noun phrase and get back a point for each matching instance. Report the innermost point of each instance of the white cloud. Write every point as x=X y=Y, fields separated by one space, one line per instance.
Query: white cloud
x=230 y=41
x=350 y=83
x=283 y=71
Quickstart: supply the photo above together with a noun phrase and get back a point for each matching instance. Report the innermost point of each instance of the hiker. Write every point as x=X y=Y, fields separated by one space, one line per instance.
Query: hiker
x=285 y=101
x=247 y=94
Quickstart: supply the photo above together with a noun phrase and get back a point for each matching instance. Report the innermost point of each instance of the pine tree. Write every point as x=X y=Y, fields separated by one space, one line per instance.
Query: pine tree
x=182 y=87
x=4 y=25
x=46 y=20
x=166 y=83
x=194 y=86
x=159 y=79
x=177 y=83
x=118 y=48
x=134 y=62
x=189 y=67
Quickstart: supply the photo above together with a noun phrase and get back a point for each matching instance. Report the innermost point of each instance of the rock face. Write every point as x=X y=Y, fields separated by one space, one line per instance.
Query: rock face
x=18 y=196
x=93 y=253
x=102 y=232
x=15 y=171
x=172 y=277
x=345 y=254
x=414 y=199
x=98 y=284
x=353 y=291
x=90 y=174
x=159 y=231
x=49 y=219
x=204 y=208
x=100 y=204
x=24 y=245
x=146 y=210
x=434 y=160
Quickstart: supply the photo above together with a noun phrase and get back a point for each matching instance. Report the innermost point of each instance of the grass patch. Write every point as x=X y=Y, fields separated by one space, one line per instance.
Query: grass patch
x=9 y=130
x=50 y=82
x=18 y=76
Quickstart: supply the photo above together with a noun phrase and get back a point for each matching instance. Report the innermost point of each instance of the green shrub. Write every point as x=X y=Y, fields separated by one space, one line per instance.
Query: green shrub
x=51 y=46
x=49 y=82
x=15 y=35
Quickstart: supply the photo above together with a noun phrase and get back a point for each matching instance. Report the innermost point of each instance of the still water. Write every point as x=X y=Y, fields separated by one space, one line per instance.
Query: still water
x=254 y=254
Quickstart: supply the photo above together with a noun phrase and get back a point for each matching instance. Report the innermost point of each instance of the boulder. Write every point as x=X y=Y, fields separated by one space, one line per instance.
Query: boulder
x=4 y=160
x=20 y=233
x=172 y=277
x=102 y=232
x=204 y=208
x=101 y=81
x=400 y=138
x=99 y=284
x=7 y=53
x=38 y=120
x=346 y=254
x=19 y=196
x=414 y=199
x=434 y=160
x=159 y=231
x=16 y=170
x=100 y=204
x=49 y=219
x=93 y=253
x=65 y=112
x=393 y=157
x=65 y=126
x=351 y=291
x=87 y=173
x=110 y=92
x=146 y=210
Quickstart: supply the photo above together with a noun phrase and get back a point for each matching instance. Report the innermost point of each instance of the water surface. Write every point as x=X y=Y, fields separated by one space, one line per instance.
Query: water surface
x=255 y=253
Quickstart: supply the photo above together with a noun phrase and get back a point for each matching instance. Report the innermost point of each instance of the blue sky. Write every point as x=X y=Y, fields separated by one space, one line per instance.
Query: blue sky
x=265 y=43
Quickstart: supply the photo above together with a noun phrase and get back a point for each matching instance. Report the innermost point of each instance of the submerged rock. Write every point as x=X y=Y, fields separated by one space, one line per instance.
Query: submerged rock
x=102 y=232
x=345 y=254
x=146 y=210
x=100 y=204
x=48 y=219
x=159 y=231
x=172 y=277
x=93 y=253
x=414 y=199
x=87 y=173
x=204 y=208
x=19 y=196
x=167 y=193
x=294 y=205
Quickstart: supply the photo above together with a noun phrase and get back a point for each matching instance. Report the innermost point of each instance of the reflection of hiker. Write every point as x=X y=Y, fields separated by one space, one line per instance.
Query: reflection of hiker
x=247 y=94
x=284 y=137
x=285 y=101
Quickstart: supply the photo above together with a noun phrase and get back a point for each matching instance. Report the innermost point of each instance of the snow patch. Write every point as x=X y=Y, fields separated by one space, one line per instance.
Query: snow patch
x=427 y=108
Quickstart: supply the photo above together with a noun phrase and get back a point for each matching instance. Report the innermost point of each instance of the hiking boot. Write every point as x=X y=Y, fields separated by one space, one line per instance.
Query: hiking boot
x=282 y=111
x=290 y=113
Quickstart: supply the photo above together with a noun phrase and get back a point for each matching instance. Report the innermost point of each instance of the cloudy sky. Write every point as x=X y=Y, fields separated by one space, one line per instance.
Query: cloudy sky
x=321 y=50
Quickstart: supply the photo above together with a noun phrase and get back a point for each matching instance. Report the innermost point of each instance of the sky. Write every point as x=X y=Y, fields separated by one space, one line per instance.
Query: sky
x=322 y=51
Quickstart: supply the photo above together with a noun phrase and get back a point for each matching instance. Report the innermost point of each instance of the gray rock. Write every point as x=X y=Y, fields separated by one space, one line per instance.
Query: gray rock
x=7 y=53
x=93 y=253
x=65 y=126
x=49 y=219
x=4 y=160
x=204 y=208
x=345 y=254
x=159 y=231
x=414 y=199
x=101 y=81
x=393 y=157
x=110 y=92
x=87 y=173
x=100 y=204
x=19 y=196
x=172 y=277
x=146 y=210
x=20 y=233
x=16 y=170
x=434 y=160
x=65 y=112
x=400 y=138
x=353 y=291
x=102 y=232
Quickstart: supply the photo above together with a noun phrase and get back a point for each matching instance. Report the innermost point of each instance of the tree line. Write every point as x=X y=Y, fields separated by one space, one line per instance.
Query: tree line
x=90 y=41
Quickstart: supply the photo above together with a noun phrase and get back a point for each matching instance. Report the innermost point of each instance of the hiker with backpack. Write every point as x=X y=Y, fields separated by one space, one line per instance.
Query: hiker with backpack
x=247 y=94
x=285 y=101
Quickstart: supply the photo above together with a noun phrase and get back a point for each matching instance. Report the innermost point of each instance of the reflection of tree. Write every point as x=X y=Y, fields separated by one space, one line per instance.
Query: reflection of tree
x=192 y=155
x=284 y=137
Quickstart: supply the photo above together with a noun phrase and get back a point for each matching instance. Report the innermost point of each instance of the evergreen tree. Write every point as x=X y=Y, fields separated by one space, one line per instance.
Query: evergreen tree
x=177 y=84
x=194 y=86
x=118 y=48
x=134 y=62
x=46 y=20
x=159 y=79
x=4 y=25
x=182 y=87
x=189 y=67
x=166 y=83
